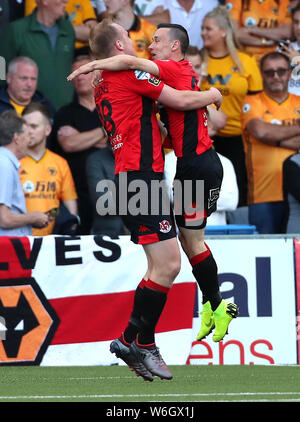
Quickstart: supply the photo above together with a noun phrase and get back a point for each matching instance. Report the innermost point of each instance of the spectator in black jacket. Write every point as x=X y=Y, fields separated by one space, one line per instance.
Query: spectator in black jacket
x=21 y=87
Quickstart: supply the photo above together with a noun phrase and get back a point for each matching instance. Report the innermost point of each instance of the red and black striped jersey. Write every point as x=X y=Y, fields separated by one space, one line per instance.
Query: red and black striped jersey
x=126 y=108
x=187 y=130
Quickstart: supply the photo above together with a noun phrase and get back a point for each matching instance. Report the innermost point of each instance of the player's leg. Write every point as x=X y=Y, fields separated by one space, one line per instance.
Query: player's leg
x=208 y=168
x=205 y=272
x=156 y=233
x=164 y=265
x=216 y=313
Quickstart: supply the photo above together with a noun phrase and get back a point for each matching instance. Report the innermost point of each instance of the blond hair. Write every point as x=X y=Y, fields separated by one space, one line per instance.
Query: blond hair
x=223 y=20
x=102 y=39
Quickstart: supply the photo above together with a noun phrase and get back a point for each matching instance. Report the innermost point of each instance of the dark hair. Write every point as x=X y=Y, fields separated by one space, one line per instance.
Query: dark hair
x=32 y=107
x=193 y=51
x=177 y=32
x=274 y=55
x=10 y=123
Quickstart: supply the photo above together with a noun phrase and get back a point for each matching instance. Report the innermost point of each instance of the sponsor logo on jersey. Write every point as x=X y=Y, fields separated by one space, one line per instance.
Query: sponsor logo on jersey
x=275 y=122
x=246 y=108
x=250 y=22
x=141 y=75
x=28 y=186
x=222 y=80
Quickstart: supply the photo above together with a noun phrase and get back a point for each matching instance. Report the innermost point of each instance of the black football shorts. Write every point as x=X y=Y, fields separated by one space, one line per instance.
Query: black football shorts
x=196 y=189
x=143 y=203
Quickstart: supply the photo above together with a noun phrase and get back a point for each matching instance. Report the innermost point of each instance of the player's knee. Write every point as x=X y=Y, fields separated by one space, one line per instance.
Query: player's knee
x=173 y=265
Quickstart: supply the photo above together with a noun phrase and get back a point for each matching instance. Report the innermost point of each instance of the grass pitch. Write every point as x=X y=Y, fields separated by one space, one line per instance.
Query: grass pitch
x=118 y=384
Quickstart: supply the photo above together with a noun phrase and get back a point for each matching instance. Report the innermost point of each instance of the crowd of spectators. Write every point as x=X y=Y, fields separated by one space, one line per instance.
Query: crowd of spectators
x=246 y=49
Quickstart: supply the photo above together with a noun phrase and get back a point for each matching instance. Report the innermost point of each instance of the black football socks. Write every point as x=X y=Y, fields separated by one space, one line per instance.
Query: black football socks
x=206 y=273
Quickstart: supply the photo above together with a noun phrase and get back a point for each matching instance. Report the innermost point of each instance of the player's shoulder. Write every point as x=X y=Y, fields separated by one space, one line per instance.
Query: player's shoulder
x=174 y=65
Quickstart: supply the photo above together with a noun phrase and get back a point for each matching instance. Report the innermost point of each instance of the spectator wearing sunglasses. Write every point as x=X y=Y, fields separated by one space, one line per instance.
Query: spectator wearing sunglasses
x=271 y=130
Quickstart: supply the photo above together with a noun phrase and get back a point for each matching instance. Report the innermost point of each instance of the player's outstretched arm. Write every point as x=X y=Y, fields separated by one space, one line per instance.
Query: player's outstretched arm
x=189 y=100
x=117 y=63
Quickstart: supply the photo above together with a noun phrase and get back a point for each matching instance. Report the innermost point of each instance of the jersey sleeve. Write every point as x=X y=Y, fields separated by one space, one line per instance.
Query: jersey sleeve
x=251 y=109
x=142 y=83
x=167 y=70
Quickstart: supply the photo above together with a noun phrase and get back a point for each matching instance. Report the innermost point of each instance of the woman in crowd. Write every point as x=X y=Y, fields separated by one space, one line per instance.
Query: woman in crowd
x=235 y=74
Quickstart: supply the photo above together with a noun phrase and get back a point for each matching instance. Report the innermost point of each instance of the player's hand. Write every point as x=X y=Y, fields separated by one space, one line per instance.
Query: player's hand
x=84 y=69
x=96 y=78
x=217 y=97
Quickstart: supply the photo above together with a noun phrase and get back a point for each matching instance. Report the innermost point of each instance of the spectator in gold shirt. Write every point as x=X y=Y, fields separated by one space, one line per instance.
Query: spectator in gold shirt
x=45 y=176
x=271 y=134
x=235 y=74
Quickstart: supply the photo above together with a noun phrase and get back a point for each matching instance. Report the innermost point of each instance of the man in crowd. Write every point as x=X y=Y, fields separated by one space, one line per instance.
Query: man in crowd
x=22 y=79
x=48 y=38
x=14 y=218
x=45 y=176
x=270 y=133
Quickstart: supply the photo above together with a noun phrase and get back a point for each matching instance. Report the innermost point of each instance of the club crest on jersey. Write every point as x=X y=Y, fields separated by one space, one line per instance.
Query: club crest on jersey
x=164 y=226
x=52 y=171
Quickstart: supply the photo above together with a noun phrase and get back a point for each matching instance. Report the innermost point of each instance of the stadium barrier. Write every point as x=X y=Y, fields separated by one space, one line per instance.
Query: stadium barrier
x=62 y=300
